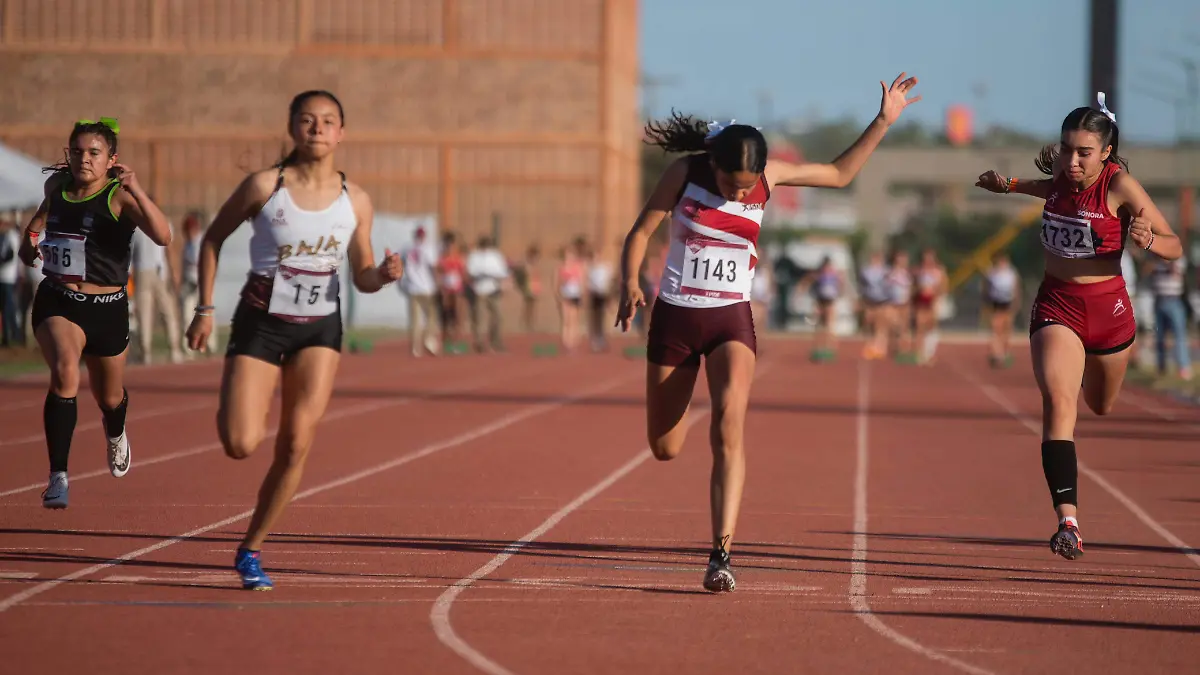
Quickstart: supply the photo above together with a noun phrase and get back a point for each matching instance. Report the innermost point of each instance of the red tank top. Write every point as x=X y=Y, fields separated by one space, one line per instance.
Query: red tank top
x=1078 y=224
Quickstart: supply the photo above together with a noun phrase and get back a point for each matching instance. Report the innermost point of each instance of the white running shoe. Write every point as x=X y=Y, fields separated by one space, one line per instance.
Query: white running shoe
x=119 y=455
x=55 y=494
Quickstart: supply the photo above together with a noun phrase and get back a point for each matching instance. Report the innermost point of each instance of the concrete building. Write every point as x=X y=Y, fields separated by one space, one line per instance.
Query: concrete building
x=474 y=110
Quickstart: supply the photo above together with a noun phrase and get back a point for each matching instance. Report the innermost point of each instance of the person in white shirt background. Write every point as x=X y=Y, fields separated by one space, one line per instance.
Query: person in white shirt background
x=486 y=269
x=10 y=241
x=419 y=285
x=189 y=279
x=153 y=297
x=599 y=281
x=1168 y=282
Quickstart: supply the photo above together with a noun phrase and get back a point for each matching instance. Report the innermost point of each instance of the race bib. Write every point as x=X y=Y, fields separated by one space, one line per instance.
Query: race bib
x=63 y=256
x=301 y=296
x=716 y=269
x=1067 y=237
x=451 y=280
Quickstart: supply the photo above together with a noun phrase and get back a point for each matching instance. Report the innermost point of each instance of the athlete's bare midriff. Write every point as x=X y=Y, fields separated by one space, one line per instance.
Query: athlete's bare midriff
x=1082 y=271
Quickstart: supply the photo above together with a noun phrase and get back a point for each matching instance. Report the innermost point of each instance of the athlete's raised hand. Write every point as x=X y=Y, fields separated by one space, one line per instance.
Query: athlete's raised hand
x=631 y=299
x=992 y=182
x=895 y=97
x=126 y=178
x=1139 y=230
x=392 y=267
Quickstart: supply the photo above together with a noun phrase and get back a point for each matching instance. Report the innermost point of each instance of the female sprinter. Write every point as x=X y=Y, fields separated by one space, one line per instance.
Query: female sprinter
x=1082 y=326
x=306 y=218
x=930 y=280
x=872 y=285
x=1001 y=291
x=716 y=197
x=826 y=286
x=92 y=205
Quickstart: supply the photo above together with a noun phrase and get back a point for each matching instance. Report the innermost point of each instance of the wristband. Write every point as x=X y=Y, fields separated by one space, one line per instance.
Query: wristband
x=1012 y=182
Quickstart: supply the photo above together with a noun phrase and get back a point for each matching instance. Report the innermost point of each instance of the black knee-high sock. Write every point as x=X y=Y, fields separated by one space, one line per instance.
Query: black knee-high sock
x=58 y=417
x=1062 y=474
x=114 y=420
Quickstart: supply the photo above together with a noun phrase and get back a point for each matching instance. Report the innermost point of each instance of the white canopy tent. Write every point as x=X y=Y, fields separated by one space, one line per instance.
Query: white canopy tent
x=21 y=180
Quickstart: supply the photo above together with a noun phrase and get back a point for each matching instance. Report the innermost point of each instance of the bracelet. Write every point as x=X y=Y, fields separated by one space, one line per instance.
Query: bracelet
x=1012 y=182
x=1150 y=242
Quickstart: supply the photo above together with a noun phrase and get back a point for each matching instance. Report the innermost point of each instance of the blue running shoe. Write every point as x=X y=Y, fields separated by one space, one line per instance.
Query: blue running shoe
x=247 y=566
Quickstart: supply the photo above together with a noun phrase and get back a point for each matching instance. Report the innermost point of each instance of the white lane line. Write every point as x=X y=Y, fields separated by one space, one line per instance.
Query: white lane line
x=136 y=416
x=350 y=411
x=439 y=616
x=1133 y=507
x=858 y=564
x=465 y=437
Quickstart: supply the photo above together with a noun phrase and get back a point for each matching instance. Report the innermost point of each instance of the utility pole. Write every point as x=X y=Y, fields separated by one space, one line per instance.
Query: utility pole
x=1102 y=53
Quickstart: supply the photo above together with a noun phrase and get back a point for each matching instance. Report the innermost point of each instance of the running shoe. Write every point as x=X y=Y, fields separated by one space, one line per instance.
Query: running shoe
x=55 y=494
x=718 y=577
x=247 y=565
x=119 y=455
x=1067 y=542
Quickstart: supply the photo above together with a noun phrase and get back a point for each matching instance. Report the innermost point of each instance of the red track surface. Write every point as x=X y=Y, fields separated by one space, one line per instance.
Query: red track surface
x=501 y=514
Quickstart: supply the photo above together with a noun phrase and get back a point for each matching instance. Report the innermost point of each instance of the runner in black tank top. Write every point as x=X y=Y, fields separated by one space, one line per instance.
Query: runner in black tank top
x=82 y=233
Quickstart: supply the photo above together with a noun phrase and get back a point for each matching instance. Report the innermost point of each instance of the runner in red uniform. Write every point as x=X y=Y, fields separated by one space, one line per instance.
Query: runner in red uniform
x=716 y=196
x=1082 y=323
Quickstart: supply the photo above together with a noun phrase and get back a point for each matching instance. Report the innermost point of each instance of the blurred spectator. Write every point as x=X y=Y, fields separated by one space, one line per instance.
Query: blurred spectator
x=151 y=280
x=451 y=277
x=10 y=310
x=1167 y=282
x=189 y=276
x=419 y=284
x=487 y=269
x=525 y=278
x=569 y=290
x=599 y=277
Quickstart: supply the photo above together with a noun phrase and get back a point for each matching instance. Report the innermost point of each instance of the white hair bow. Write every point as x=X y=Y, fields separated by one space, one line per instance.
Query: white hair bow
x=1103 y=108
x=715 y=127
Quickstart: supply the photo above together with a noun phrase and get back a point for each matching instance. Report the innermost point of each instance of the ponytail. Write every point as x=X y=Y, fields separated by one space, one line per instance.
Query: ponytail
x=678 y=134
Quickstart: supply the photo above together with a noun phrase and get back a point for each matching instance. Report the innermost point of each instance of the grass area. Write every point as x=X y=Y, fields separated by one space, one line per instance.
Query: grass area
x=18 y=361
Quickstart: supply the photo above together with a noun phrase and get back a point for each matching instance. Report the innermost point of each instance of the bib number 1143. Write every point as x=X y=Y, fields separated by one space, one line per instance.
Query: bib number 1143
x=302 y=295
x=716 y=269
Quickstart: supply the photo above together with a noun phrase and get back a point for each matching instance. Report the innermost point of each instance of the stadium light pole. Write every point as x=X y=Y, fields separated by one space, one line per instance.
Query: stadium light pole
x=1102 y=52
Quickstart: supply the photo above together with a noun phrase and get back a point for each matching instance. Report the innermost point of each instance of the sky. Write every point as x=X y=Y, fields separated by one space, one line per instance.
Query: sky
x=1021 y=63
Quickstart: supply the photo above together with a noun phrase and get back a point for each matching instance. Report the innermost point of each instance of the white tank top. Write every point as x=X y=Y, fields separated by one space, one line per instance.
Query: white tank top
x=1001 y=284
x=874 y=283
x=899 y=285
x=302 y=251
x=710 y=262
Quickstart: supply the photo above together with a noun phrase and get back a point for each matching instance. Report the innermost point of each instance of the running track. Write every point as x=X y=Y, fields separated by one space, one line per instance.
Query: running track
x=501 y=515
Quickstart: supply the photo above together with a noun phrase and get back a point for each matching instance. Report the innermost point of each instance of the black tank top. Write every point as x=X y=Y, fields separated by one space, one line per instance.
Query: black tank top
x=87 y=232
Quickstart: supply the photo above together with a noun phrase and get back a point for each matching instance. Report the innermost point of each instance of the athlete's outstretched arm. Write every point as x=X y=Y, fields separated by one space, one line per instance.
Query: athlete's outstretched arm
x=134 y=203
x=660 y=203
x=842 y=170
x=1148 y=228
x=369 y=277
x=994 y=182
x=245 y=201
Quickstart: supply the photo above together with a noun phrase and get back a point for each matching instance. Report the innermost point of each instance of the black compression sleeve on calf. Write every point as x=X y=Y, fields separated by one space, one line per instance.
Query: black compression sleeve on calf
x=58 y=417
x=1062 y=474
x=114 y=420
